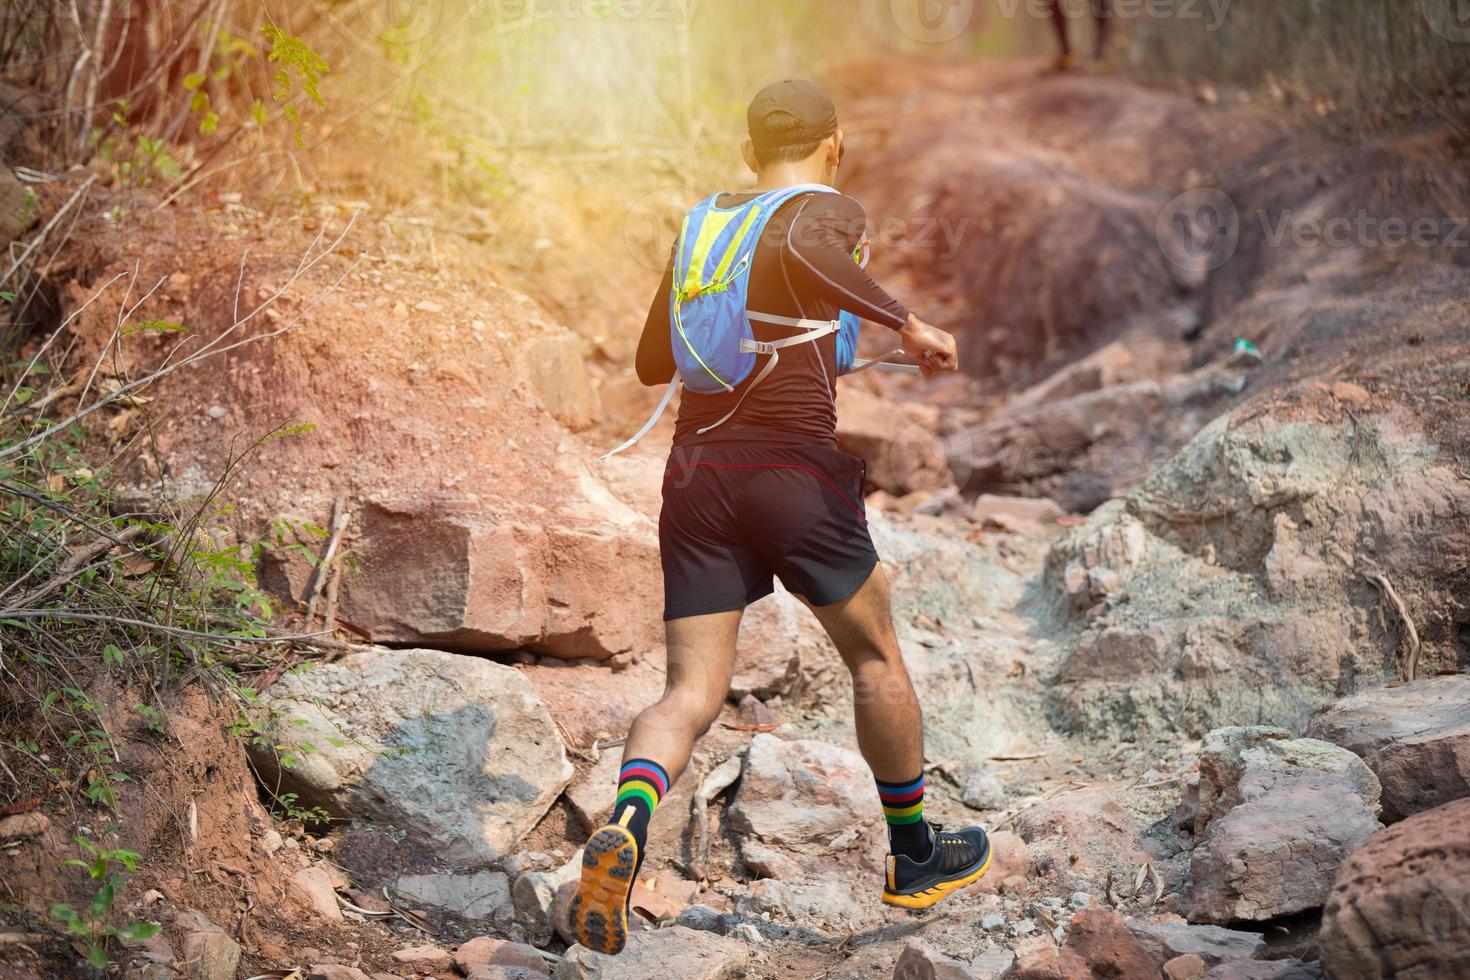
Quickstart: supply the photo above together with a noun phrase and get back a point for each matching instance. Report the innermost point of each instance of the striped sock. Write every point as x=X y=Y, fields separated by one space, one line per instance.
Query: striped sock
x=641 y=784
x=903 y=809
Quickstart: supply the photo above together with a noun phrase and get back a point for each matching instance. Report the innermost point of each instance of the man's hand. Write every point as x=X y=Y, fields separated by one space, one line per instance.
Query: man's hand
x=931 y=347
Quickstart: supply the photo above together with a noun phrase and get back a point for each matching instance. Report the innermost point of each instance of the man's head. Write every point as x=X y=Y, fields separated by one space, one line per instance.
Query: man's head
x=793 y=126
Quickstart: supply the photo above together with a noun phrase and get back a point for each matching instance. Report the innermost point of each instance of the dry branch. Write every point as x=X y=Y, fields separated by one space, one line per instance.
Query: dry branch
x=1411 y=667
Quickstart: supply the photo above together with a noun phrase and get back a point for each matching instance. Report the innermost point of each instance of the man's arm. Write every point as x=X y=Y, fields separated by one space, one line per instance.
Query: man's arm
x=823 y=237
x=655 y=351
x=820 y=245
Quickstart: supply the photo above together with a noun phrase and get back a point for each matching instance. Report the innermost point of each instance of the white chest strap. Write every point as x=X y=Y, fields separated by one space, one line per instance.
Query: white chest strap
x=813 y=330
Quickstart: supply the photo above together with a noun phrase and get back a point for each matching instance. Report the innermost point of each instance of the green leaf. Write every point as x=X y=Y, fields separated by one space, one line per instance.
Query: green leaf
x=129 y=859
x=259 y=112
x=193 y=80
x=102 y=901
x=138 y=932
x=97 y=956
x=199 y=102
x=63 y=913
x=209 y=123
x=9 y=297
x=155 y=326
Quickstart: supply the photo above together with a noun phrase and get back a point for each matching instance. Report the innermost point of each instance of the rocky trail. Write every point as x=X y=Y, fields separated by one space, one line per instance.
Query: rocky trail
x=1190 y=620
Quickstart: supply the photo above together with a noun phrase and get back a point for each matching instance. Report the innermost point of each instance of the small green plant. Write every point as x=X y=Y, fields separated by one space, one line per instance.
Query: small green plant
x=300 y=71
x=90 y=924
x=309 y=815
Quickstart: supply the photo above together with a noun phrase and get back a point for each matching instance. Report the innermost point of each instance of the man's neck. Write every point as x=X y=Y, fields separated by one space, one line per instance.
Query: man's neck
x=788 y=175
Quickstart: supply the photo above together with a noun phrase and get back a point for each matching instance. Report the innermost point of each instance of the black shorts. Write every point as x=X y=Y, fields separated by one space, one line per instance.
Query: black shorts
x=735 y=516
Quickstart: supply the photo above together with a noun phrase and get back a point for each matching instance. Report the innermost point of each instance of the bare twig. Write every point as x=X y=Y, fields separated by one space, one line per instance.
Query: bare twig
x=46 y=230
x=340 y=517
x=1411 y=668
x=225 y=638
x=209 y=350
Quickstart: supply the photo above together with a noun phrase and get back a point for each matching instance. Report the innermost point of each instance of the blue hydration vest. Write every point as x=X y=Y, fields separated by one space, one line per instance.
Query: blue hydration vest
x=714 y=345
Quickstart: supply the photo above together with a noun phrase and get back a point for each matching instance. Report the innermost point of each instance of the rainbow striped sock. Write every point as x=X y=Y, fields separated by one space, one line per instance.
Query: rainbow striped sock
x=641 y=784
x=903 y=809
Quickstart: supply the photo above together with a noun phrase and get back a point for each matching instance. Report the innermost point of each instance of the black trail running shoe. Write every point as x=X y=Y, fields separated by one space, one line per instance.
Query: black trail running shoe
x=959 y=858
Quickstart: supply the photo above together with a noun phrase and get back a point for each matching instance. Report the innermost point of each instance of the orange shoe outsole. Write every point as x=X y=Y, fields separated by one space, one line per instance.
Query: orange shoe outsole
x=935 y=894
x=599 y=911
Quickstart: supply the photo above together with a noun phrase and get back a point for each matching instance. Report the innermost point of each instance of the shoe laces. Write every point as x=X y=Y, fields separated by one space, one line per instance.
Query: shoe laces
x=954 y=850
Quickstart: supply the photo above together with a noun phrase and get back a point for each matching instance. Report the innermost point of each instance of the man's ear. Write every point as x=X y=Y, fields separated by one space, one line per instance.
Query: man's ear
x=834 y=149
x=747 y=150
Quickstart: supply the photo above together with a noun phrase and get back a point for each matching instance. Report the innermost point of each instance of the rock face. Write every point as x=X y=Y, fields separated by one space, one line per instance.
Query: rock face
x=1077 y=838
x=920 y=961
x=209 y=953
x=1223 y=588
x=1277 y=816
x=476 y=520
x=797 y=795
x=1165 y=941
x=1103 y=940
x=1401 y=904
x=895 y=441
x=455 y=752
x=1415 y=738
x=481 y=895
x=674 y=952
x=1239 y=764
x=451 y=573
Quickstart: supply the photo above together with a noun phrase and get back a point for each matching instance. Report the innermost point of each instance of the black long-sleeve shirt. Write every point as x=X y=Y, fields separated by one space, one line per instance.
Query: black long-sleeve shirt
x=803 y=268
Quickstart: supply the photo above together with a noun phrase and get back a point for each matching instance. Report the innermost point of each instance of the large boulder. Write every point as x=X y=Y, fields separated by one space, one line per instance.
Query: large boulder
x=455 y=754
x=1415 y=737
x=448 y=571
x=1078 y=838
x=797 y=797
x=1400 y=906
x=1237 y=765
x=1276 y=818
x=1227 y=588
x=1167 y=939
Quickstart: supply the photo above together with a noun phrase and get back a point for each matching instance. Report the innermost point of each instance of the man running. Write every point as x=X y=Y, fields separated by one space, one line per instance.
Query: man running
x=1102 y=12
x=765 y=492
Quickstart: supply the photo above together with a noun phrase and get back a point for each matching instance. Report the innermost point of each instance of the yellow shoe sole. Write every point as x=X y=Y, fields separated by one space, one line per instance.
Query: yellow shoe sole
x=599 y=911
x=935 y=894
